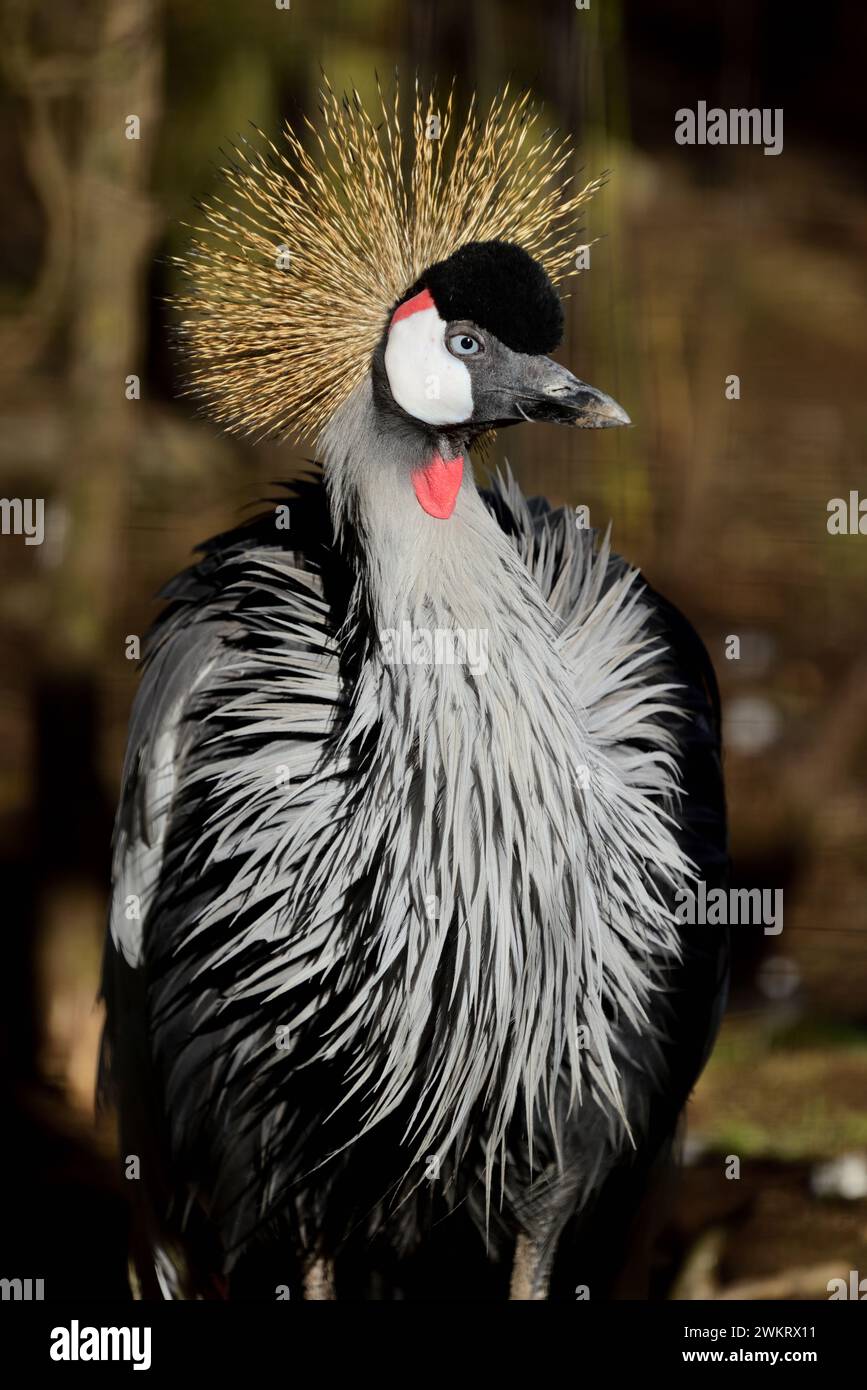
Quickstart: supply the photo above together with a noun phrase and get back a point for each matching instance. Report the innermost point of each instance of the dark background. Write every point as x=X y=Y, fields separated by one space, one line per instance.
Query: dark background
x=709 y=261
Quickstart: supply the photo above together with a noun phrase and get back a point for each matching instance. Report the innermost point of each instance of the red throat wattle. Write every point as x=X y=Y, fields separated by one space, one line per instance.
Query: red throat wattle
x=437 y=485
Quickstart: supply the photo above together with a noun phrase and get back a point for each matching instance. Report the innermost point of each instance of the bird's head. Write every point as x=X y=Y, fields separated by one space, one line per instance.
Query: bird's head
x=465 y=350
x=319 y=272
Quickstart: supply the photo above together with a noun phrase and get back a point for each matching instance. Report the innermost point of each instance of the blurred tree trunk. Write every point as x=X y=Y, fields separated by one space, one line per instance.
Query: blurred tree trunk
x=99 y=223
x=114 y=231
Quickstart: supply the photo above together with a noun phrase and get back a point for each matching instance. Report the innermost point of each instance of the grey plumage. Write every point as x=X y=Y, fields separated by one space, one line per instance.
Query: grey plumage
x=378 y=921
x=532 y=802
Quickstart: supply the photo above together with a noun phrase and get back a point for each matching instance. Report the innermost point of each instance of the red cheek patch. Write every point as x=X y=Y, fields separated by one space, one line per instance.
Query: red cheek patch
x=437 y=485
x=420 y=301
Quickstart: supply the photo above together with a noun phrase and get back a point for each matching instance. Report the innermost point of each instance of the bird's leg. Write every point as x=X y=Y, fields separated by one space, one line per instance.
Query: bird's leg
x=319 y=1280
x=531 y=1270
x=543 y=1211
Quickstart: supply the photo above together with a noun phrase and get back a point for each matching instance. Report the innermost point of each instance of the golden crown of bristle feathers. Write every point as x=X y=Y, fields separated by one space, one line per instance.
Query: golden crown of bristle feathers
x=302 y=253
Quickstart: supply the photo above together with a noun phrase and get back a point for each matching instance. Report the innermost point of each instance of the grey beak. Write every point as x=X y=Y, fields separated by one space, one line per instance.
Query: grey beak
x=535 y=388
x=560 y=397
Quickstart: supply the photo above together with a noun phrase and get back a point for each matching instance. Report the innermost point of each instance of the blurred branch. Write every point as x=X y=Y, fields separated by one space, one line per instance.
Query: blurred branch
x=38 y=82
x=805 y=1281
x=123 y=62
x=698 y=1276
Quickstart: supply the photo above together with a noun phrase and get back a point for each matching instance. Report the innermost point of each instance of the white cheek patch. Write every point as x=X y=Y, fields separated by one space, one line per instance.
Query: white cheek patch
x=425 y=379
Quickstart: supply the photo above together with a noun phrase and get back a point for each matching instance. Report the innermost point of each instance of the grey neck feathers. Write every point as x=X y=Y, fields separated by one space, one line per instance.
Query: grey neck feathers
x=506 y=833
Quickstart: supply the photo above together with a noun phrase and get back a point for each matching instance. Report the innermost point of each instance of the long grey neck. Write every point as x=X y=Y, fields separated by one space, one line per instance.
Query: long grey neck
x=415 y=567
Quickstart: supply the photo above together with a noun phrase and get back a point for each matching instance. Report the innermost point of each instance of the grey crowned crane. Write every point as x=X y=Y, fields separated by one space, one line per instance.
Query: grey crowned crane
x=398 y=1002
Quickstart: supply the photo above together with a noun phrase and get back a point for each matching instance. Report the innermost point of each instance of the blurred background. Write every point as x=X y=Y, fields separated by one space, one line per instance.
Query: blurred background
x=706 y=262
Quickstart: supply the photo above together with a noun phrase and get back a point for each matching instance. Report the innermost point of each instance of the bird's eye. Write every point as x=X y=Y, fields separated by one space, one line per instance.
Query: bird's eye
x=464 y=345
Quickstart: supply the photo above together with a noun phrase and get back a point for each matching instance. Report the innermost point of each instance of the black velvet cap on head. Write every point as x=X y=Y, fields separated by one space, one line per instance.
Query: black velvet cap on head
x=498 y=286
